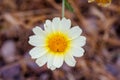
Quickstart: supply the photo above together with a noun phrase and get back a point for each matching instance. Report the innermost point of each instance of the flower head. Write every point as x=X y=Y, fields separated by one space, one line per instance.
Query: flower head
x=57 y=43
x=103 y=3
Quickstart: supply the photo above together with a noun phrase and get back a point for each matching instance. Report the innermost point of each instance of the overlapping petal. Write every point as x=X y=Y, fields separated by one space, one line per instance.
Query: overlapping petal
x=65 y=24
x=48 y=26
x=55 y=24
x=69 y=59
x=50 y=60
x=77 y=51
x=74 y=32
x=38 y=31
x=36 y=40
x=58 y=61
x=80 y=41
x=41 y=60
x=37 y=52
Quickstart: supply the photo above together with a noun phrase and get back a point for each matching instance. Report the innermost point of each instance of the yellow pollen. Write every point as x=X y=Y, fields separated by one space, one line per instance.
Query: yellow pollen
x=57 y=43
x=101 y=2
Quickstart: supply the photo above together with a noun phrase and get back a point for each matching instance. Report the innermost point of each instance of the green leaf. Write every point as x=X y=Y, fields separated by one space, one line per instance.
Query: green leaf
x=68 y=6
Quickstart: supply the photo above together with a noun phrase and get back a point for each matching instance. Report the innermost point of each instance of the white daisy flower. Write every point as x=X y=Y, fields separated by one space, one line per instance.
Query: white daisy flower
x=57 y=43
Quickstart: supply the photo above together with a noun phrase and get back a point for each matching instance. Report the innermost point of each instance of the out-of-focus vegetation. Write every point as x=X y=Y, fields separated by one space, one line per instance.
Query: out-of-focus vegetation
x=101 y=26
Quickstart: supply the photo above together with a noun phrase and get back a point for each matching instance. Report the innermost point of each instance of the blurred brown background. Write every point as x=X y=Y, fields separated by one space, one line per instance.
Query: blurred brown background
x=101 y=26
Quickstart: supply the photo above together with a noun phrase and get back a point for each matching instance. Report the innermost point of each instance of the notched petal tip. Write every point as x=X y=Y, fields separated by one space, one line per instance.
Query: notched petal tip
x=32 y=55
x=58 y=61
x=69 y=60
x=41 y=61
x=38 y=31
x=52 y=68
x=77 y=51
x=56 y=18
x=78 y=27
x=30 y=40
x=35 y=28
x=37 y=52
x=65 y=24
x=65 y=19
x=73 y=64
x=36 y=40
x=84 y=39
x=74 y=32
x=47 y=22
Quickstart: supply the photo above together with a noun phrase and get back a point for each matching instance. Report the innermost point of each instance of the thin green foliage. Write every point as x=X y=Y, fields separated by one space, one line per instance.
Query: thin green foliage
x=68 y=6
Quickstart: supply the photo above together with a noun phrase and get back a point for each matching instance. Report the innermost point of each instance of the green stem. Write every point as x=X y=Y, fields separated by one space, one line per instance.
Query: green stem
x=63 y=8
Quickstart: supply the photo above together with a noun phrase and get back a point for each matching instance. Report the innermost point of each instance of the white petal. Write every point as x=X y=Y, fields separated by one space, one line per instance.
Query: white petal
x=36 y=40
x=65 y=24
x=48 y=23
x=50 y=60
x=38 y=31
x=48 y=26
x=56 y=23
x=58 y=61
x=80 y=41
x=69 y=59
x=74 y=32
x=52 y=68
x=77 y=51
x=41 y=60
x=37 y=52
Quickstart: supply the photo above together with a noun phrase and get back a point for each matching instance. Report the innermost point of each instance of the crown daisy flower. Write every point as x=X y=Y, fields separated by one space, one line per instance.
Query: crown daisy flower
x=103 y=3
x=57 y=43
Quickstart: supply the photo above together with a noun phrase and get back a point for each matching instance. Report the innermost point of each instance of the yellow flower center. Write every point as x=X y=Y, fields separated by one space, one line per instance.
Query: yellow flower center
x=57 y=43
x=101 y=2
